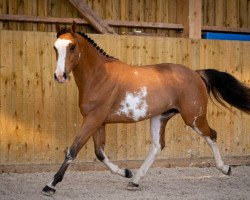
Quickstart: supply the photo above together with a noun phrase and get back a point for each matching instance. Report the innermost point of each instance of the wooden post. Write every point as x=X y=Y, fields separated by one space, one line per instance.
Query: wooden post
x=189 y=14
x=85 y=11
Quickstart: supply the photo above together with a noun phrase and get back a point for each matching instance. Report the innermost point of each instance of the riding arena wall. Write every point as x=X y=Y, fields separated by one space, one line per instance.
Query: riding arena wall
x=39 y=117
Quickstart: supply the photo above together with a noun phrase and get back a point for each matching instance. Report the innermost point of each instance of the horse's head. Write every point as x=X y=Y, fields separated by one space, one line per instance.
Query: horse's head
x=67 y=52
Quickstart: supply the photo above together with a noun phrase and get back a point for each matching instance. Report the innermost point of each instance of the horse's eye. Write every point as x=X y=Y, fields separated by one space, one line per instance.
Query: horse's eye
x=72 y=47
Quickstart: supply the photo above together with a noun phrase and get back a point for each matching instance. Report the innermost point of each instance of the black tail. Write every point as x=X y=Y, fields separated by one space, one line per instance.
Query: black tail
x=225 y=87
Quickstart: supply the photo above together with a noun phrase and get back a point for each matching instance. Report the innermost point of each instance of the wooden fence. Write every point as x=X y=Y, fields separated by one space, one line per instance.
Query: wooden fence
x=227 y=13
x=39 y=117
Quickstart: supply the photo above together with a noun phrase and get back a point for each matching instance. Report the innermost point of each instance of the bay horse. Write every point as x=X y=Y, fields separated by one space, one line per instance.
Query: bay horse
x=111 y=91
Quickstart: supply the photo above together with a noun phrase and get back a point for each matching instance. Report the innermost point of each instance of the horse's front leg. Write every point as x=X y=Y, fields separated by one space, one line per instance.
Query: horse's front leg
x=99 y=141
x=89 y=127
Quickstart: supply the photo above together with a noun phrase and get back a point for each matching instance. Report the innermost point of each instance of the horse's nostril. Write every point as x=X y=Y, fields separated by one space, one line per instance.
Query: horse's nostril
x=64 y=75
x=55 y=77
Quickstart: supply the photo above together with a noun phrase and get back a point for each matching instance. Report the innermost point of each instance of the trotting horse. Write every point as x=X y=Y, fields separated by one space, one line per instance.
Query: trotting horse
x=111 y=91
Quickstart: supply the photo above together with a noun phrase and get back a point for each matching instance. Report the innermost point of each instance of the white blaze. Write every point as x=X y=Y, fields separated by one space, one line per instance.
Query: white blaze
x=61 y=46
x=134 y=105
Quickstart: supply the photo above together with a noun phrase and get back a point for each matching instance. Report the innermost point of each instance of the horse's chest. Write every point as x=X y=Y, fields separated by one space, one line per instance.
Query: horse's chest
x=134 y=105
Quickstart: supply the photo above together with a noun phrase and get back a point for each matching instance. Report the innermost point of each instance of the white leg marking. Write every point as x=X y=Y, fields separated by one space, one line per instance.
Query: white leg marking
x=112 y=167
x=50 y=184
x=218 y=160
x=155 y=149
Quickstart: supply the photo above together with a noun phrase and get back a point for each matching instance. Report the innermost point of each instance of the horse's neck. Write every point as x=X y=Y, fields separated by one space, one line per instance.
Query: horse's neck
x=90 y=70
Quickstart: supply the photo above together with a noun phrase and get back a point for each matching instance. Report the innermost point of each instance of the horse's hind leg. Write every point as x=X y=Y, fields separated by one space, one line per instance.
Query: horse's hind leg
x=158 y=125
x=201 y=127
x=99 y=141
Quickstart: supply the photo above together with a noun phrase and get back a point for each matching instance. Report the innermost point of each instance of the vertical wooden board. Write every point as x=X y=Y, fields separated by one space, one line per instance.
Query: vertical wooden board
x=47 y=97
x=28 y=94
x=209 y=12
x=34 y=13
x=248 y=13
x=12 y=121
x=12 y=9
x=27 y=9
x=124 y=9
x=172 y=16
x=152 y=15
x=5 y=72
x=245 y=117
x=232 y=13
x=38 y=98
x=49 y=14
x=20 y=11
x=243 y=14
x=116 y=10
x=3 y=10
x=162 y=13
x=58 y=135
x=194 y=55
x=55 y=11
x=42 y=11
x=108 y=9
x=1 y=113
x=17 y=96
x=220 y=13
x=98 y=6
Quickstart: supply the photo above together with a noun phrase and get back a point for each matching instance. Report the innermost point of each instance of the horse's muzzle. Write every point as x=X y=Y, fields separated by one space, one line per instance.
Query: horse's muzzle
x=61 y=78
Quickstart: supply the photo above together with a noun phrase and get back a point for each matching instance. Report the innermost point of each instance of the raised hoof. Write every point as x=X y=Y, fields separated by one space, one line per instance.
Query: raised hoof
x=132 y=186
x=128 y=173
x=48 y=191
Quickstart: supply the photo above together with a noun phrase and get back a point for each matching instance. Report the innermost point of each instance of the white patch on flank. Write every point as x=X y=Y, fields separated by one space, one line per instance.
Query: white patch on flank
x=136 y=73
x=61 y=45
x=135 y=105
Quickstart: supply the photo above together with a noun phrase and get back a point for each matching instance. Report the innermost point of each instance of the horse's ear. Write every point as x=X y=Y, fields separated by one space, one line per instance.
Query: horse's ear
x=57 y=27
x=74 y=27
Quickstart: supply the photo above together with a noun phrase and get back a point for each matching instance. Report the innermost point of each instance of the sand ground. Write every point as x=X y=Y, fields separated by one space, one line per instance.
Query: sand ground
x=159 y=183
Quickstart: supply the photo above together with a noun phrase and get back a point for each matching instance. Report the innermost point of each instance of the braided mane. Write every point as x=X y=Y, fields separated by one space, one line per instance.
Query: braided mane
x=92 y=42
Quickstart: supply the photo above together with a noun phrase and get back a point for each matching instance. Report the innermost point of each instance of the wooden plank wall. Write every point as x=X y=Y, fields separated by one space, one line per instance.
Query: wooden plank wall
x=39 y=117
x=229 y=13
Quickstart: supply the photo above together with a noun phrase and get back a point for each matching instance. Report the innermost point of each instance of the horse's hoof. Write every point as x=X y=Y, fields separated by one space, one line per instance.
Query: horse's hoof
x=128 y=173
x=132 y=186
x=227 y=170
x=48 y=191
